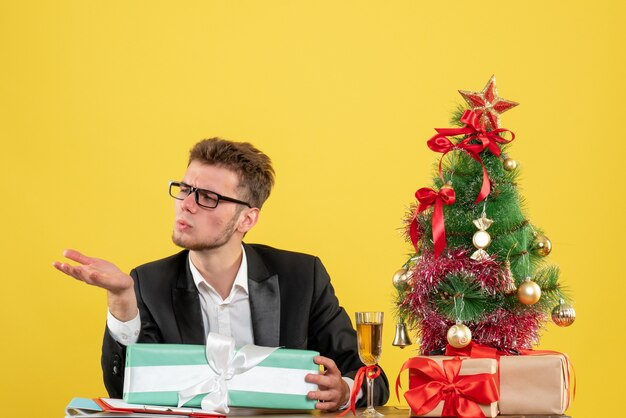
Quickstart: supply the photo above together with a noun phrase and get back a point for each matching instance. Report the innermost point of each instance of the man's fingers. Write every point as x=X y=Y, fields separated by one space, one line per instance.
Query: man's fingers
x=77 y=256
x=330 y=386
x=65 y=268
x=329 y=364
x=78 y=272
x=326 y=399
x=327 y=406
x=319 y=379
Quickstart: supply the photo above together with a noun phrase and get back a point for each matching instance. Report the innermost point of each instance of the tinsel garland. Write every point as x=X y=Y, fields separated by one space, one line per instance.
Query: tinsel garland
x=428 y=273
x=506 y=330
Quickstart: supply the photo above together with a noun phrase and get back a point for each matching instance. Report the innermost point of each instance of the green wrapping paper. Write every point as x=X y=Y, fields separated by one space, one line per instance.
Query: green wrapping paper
x=155 y=373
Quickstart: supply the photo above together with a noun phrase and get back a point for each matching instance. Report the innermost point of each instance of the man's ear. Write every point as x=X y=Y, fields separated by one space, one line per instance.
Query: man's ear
x=247 y=219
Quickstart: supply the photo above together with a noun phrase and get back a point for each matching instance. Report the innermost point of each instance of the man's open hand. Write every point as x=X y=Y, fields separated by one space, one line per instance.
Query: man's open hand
x=101 y=273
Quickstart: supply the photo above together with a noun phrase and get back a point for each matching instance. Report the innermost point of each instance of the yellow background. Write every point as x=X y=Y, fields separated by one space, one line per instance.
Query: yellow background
x=100 y=102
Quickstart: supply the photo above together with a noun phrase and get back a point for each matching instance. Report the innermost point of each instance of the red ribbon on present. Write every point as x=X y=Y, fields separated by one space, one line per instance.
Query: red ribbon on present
x=474 y=350
x=460 y=394
x=371 y=372
x=474 y=129
x=428 y=197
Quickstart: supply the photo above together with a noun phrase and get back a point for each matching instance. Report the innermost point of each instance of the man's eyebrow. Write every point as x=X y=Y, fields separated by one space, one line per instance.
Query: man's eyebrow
x=208 y=189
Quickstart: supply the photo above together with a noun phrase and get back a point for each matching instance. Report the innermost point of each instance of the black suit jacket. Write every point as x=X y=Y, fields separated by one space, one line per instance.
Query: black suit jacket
x=292 y=305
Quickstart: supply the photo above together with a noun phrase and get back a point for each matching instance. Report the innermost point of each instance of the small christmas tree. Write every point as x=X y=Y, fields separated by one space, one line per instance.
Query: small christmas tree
x=478 y=271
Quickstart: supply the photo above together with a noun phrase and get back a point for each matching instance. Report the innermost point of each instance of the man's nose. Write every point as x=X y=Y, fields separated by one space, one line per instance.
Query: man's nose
x=189 y=202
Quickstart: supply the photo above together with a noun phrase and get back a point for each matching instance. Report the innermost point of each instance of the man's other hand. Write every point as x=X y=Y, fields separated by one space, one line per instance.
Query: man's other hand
x=333 y=392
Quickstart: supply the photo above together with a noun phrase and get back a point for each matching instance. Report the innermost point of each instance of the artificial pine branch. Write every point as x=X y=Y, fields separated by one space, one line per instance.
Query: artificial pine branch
x=461 y=298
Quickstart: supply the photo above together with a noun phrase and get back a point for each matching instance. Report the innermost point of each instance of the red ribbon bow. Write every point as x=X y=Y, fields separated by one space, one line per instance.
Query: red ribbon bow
x=460 y=394
x=474 y=129
x=427 y=198
x=371 y=372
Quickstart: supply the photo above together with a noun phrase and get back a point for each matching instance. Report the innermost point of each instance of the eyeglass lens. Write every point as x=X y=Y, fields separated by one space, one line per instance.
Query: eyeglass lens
x=203 y=197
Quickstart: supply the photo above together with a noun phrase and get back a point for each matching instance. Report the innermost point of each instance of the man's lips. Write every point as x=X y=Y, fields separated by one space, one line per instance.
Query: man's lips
x=182 y=224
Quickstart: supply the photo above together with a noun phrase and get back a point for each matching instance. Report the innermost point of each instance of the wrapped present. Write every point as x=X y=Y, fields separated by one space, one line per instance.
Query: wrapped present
x=451 y=386
x=534 y=383
x=217 y=376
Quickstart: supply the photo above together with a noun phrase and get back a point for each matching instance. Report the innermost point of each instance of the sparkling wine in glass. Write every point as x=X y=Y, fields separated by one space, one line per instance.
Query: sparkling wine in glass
x=369 y=331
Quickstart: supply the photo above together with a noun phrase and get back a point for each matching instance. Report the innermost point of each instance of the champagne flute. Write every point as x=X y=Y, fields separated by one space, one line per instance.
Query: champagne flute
x=369 y=331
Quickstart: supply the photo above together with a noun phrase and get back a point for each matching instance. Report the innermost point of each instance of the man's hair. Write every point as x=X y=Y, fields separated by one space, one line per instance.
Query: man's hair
x=256 y=175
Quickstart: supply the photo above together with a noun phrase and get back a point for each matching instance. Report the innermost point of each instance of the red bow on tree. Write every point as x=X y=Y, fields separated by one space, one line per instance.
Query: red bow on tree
x=427 y=198
x=460 y=394
x=474 y=129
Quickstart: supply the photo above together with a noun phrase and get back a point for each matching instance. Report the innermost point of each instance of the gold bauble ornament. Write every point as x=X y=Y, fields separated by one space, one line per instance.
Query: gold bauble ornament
x=400 y=279
x=528 y=292
x=563 y=314
x=509 y=164
x=448 y=185
x=542 y=245
x=459 y=336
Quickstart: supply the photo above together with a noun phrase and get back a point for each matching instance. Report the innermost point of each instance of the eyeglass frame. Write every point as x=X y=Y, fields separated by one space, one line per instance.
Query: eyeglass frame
x=197 y=190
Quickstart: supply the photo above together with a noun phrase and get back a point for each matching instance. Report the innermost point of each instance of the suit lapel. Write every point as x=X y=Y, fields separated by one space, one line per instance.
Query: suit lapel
x=264 y=296
x=187 y=308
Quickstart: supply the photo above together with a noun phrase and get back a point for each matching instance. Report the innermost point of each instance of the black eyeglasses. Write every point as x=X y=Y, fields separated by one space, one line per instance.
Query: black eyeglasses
x=204 y=198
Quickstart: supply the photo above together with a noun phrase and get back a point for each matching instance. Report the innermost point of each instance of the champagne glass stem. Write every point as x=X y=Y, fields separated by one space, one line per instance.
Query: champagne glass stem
x=370 y=395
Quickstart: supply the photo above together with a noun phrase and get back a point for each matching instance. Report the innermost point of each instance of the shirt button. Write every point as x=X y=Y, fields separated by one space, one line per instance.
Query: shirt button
x=136 y=333
x=124 y=337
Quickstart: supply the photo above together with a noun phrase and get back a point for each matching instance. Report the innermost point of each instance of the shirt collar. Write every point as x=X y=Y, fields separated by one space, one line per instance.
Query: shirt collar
x=241 y=279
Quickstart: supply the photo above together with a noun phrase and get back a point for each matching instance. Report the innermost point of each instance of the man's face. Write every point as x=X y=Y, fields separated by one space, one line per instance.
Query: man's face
x=197 y=228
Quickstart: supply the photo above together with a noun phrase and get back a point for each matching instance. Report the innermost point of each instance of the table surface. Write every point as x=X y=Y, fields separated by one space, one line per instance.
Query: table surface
x=388 y=411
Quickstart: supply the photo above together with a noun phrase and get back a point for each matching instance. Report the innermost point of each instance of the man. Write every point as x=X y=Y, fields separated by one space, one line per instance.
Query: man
x=254 y=293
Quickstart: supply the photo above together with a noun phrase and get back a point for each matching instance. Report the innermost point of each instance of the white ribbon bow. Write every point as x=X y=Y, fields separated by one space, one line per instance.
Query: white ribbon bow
x=221 y=356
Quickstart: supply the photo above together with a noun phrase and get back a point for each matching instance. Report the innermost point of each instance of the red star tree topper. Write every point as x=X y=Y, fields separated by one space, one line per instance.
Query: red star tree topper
x=487 y=104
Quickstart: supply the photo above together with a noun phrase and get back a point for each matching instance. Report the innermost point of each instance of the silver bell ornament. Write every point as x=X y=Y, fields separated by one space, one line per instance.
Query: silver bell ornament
x=401 y=339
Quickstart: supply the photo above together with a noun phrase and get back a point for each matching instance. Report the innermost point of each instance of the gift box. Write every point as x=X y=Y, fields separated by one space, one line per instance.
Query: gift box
x=176 y=375
x=534 y=384
x=451 y=386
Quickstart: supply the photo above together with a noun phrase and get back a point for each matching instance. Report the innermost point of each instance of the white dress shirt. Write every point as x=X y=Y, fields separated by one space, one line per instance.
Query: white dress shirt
x=230 y=317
